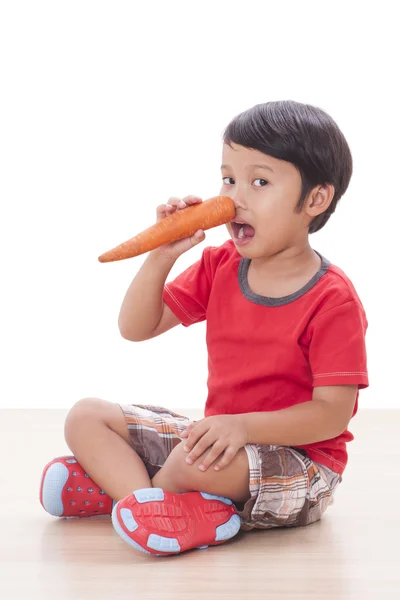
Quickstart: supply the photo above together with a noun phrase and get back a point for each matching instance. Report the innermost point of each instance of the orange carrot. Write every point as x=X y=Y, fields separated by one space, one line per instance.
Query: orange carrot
x=181 y=224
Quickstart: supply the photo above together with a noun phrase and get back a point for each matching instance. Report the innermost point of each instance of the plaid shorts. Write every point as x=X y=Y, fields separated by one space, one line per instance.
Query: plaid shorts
x=287 y=488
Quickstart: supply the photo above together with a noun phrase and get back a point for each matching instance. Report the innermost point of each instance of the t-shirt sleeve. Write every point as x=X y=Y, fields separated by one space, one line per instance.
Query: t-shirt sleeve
x=337 y=351
x=187 y=295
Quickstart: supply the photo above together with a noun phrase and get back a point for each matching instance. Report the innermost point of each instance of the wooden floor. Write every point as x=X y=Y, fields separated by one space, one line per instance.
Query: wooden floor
x=353 y=553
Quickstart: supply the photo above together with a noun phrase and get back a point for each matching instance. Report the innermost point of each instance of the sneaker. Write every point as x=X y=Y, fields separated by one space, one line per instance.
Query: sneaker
x=67 y=491
x=162 y=523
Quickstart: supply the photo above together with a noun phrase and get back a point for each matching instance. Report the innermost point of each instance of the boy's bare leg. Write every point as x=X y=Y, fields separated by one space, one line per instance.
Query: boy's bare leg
x=231 y=482
x=96 y=433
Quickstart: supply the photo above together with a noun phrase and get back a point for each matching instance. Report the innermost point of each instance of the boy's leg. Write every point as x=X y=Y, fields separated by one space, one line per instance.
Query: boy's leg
x=97 y=434
x=231 y=482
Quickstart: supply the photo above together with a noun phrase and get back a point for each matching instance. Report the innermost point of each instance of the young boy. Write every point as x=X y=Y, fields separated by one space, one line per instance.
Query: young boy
x=287 y=358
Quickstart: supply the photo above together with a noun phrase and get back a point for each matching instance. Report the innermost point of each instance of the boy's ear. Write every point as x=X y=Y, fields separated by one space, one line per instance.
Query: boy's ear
x=319 y=199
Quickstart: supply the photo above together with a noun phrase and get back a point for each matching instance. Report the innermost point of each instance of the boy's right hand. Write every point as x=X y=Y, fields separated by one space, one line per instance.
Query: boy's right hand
x=175 y=249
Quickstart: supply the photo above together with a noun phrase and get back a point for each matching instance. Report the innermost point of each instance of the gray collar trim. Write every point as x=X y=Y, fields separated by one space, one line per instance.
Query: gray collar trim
x=265 y=300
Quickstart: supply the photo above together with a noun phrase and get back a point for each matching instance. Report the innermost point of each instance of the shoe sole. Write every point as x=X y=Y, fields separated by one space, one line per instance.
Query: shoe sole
x=153 y=505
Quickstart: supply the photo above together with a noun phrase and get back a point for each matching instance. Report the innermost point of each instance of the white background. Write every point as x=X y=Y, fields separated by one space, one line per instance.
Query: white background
x=109 y=108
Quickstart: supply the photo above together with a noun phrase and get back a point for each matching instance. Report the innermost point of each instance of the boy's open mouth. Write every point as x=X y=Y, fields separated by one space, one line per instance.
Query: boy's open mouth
x=242 y=231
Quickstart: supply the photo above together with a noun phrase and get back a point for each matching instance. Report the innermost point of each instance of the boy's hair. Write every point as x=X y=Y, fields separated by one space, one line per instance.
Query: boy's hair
x=303 y=135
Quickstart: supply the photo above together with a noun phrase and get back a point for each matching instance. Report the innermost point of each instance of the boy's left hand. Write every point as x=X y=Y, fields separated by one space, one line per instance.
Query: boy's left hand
x=224 y=434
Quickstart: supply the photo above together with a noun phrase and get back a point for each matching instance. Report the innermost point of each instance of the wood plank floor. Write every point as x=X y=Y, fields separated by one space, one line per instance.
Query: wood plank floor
x=353 y=553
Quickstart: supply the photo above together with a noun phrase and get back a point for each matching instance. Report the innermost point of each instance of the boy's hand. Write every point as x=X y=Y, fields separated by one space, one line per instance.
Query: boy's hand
x=175 y=249
x=224 y=434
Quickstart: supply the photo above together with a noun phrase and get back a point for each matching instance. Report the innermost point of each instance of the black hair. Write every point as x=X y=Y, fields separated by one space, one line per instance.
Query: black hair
x=303 y=135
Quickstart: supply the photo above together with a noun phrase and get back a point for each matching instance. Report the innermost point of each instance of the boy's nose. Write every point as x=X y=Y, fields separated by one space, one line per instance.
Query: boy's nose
x=238 y=197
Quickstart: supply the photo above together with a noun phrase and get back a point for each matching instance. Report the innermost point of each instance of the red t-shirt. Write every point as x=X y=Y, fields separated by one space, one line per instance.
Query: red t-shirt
x=266 y=354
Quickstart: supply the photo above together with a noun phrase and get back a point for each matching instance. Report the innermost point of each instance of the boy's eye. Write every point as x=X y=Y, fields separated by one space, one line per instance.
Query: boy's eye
x=258 y=179
x=264 y=180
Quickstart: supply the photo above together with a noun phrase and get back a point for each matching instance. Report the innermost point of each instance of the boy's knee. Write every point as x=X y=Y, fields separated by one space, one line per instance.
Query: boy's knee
x=90 y=412
x=82 y=411
x=87 y=408
x=176 y=475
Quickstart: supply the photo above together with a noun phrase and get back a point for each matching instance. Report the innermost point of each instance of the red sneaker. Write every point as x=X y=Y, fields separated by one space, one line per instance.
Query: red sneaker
x=67 y=491
x=161 y=523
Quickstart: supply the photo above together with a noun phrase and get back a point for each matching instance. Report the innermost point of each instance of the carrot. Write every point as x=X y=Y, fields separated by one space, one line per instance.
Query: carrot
x=181 y=224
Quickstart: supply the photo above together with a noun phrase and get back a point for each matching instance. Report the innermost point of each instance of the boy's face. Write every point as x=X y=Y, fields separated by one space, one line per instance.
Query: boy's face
x=265 y=198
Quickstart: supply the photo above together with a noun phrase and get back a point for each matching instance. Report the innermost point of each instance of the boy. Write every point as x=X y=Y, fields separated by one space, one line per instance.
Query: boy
x=287 y=358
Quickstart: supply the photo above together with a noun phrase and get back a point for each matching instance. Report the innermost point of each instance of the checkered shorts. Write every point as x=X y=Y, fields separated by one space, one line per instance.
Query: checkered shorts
x=287 y=488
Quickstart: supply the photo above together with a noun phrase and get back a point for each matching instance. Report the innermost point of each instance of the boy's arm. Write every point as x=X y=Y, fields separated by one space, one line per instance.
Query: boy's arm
x=143 y=313
x=324 y=417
